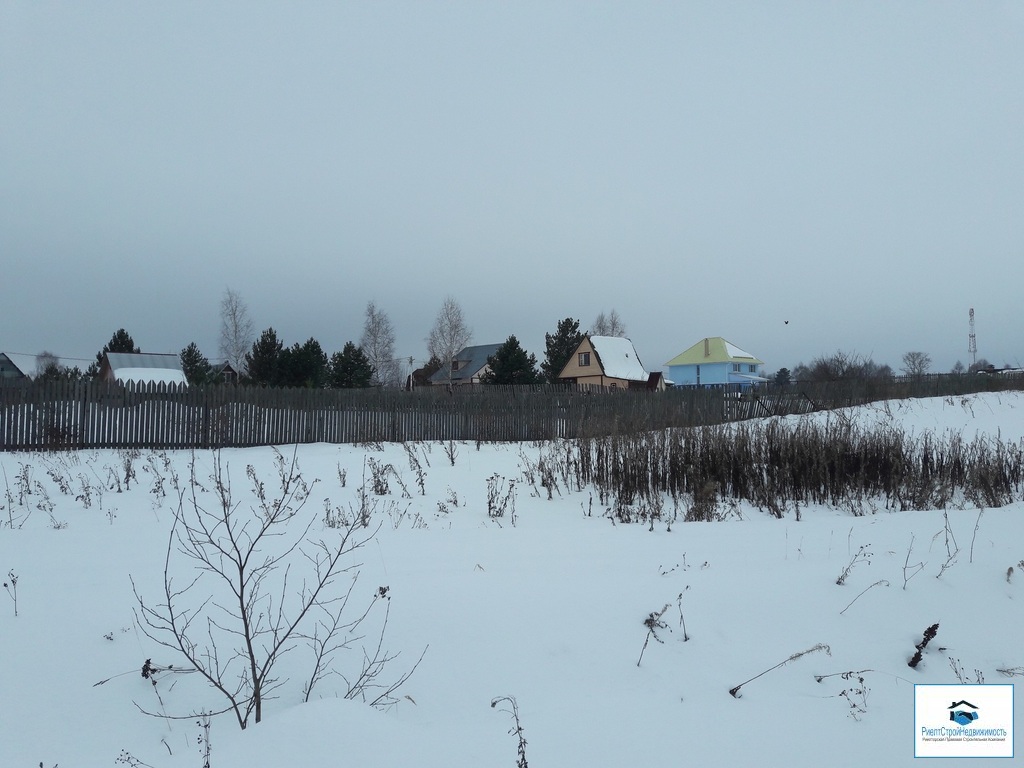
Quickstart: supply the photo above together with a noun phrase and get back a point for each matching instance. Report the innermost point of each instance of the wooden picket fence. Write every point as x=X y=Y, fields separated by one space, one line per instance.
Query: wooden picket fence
x=55 y=415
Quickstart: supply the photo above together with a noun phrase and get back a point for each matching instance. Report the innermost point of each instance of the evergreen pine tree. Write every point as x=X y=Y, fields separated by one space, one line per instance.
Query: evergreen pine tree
x=560 y=347
x=56 y=372
x=196 y=367
x=350 y=368
x=510 y=364
x=303 y=365
x=262 y=363
x=119 y=342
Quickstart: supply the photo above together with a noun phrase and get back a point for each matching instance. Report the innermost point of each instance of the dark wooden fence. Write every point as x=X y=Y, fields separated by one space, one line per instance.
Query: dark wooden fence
x=55 y=415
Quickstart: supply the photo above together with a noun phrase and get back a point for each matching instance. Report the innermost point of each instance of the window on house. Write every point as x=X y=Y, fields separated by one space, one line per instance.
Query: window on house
x=752 y=368
x=584 y=359
x=735 y=367
x=455 y=365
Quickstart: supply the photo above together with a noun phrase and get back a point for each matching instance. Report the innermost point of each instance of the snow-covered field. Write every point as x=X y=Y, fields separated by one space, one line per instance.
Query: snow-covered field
x=549 y=610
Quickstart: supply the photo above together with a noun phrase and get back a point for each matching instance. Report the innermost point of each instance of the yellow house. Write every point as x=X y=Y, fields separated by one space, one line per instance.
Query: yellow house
x=605 y=361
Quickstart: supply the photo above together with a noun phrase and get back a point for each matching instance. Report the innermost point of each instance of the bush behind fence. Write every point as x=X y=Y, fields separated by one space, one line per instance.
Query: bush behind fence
x=58 y=414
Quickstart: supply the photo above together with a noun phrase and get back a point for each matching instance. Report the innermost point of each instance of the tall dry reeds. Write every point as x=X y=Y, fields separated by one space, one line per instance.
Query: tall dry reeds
x=774 y=464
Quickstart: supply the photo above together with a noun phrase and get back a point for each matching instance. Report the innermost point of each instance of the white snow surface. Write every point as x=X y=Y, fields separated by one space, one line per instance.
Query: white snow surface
x=549 y=610
x=619 y=358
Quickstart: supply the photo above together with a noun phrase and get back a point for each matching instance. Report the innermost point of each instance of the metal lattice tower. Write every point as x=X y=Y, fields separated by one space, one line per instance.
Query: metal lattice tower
x=972 y=342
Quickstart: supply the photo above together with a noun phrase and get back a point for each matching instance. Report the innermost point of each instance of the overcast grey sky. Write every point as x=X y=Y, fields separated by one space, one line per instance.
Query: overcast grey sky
x=705 y=168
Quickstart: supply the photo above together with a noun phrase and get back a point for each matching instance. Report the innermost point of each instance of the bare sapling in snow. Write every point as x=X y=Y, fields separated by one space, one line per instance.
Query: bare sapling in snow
x=243 y=584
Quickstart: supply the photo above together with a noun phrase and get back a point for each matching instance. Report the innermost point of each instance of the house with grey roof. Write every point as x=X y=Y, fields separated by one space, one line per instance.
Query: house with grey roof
x=466 y=367
x=12 y=368
x=21 y=367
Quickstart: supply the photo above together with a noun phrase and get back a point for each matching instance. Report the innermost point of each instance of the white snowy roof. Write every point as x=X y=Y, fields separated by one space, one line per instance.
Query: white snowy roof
x=618 y=358
x=150 y=375
x=735 y=351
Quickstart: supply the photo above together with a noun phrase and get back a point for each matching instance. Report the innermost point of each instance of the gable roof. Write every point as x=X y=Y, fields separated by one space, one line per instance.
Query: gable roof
x=145 y=366
x=713 y=349
x=12 y=366
x=618 y=358
x=28 y=365
x=471 y=360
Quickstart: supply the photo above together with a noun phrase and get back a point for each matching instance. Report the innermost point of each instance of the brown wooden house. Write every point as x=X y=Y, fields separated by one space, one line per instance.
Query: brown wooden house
x=605 y=361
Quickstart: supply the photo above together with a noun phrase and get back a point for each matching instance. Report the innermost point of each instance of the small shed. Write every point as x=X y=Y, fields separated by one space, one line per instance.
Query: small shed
x=143 y=367
x=223 y=371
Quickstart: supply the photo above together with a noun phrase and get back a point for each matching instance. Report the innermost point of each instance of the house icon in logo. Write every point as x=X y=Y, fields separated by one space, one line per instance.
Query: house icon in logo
x=963 y=712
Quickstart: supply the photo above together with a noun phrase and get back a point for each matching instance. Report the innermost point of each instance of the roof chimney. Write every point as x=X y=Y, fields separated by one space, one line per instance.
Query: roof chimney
x=707 y=348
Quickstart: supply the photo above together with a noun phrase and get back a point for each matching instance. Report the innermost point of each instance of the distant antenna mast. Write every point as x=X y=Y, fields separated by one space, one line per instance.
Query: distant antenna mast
x=972 y=342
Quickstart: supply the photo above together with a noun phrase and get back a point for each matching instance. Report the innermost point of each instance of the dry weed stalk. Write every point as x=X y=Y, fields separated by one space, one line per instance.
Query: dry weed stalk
x=735 y=692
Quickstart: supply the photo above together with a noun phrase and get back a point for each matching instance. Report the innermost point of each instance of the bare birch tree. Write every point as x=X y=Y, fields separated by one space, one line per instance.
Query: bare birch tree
x=449 y=334
x=378 y=344
x=608 y=325
x=237 y=331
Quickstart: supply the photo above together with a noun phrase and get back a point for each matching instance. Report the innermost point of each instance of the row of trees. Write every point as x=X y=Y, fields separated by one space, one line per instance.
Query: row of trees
x=846 y=366
x=270 y=363
x=373 y=362
x=267 y=361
